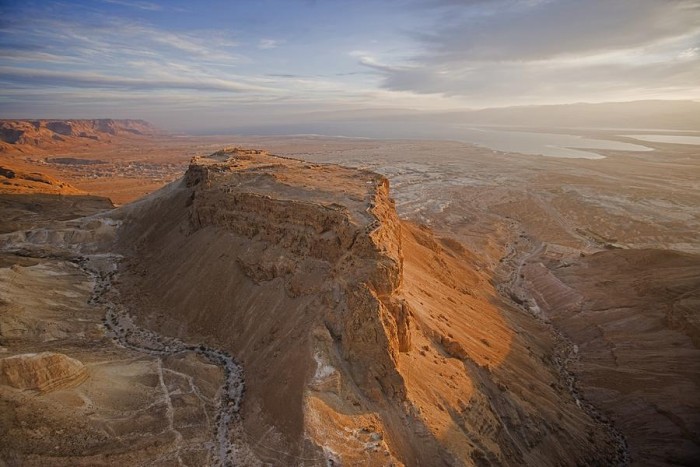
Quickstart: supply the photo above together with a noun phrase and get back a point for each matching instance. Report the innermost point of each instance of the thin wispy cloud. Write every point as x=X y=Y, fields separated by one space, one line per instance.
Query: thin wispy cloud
x=149 y=6
x=305 y=56
x=30 y=77
x=269 y=44
x=116 y=52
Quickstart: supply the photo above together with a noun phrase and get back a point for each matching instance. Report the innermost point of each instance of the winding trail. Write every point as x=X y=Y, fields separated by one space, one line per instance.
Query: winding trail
x=120 y=325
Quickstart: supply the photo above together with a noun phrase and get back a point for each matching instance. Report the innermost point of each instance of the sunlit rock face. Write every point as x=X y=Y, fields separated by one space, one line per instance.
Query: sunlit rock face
x=43 y=372
x=361 y=336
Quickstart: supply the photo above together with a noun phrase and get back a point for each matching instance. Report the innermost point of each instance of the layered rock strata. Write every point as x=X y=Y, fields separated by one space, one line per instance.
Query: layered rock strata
x=43 y=372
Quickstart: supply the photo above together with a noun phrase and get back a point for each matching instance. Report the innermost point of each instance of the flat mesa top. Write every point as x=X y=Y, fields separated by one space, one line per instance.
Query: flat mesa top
x=256 y=171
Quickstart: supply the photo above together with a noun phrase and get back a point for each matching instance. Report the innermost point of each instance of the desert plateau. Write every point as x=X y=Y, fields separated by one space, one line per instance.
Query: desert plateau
x=406 y=233
x=347 y=301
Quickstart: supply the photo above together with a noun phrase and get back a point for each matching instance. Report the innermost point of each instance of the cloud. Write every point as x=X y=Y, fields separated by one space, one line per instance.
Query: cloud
x=564 y=27
x=268 y=44
x=148 y=6
x=121 y=57
x=110 y=37
x=120 y=54
x=29 y=77
x=201 y=45
x=552 y=50
x=529 y=83
x=690 y=52
x=423 y=54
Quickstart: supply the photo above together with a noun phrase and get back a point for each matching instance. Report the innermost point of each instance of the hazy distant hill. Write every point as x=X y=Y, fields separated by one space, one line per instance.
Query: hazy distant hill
x=671 y=115
x=28 y=135
x=402 y=123
x=657 y=114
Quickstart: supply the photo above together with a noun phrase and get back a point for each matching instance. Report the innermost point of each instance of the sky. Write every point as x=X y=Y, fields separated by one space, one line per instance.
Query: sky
x=211 y=63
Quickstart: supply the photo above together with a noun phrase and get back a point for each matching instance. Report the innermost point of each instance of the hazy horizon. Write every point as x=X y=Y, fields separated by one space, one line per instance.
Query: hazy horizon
x=217 y=64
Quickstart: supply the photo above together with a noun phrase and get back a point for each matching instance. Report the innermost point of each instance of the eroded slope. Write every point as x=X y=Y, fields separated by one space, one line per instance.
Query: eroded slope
x=363 y=339
x=68 y=394
x=633 y=315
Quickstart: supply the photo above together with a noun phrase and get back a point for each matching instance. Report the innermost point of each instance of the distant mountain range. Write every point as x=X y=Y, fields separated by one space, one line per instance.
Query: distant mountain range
x=23 y=135
x=668 y=115
x=650 y=114
x=401 y=123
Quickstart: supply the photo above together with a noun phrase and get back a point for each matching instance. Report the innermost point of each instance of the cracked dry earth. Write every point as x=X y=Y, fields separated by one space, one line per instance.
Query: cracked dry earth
x=146 y=400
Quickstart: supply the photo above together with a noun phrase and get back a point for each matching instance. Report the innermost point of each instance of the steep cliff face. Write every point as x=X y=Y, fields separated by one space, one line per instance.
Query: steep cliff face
x=21 y=135
x=363 y=339
x=269 y=257
x=344 y=251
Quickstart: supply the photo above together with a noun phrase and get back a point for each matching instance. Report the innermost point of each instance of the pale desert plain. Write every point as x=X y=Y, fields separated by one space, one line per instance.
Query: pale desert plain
x=353 y=301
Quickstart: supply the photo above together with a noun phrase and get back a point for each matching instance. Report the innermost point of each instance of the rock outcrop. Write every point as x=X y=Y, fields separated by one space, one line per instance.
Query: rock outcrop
x=33 y=199
x=344 y=252
x=16 y=181
x=43 y=372
x=362 y=338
